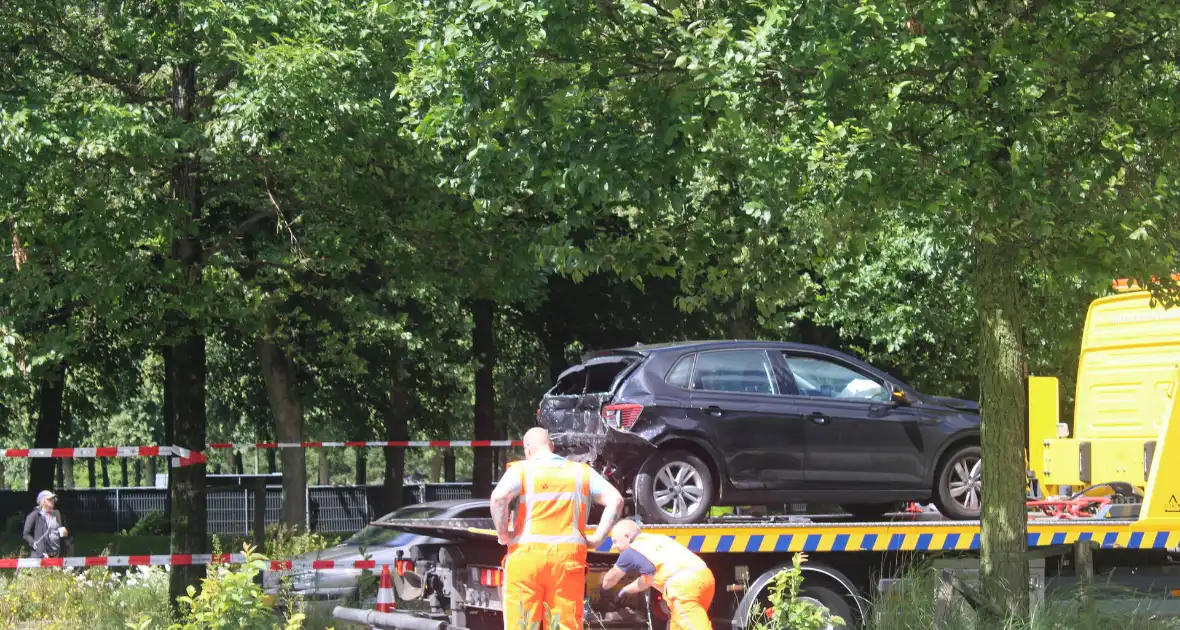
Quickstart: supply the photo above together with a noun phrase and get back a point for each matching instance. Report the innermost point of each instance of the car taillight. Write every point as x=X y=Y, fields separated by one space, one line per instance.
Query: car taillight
x=622 y=415
x=491 y=577
x=403 y=565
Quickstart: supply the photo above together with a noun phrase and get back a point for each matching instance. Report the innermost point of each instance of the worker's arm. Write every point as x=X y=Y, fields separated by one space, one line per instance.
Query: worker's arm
x=638 y=586
x=508 y=489
x=630 y=561
x=604 y=494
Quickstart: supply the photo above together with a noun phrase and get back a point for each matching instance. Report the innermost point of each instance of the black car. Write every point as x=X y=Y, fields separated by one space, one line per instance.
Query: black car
x=687 y=426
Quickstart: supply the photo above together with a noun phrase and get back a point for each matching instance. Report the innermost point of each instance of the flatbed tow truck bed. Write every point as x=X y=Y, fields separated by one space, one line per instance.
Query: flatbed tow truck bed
x=848 y=563
x=1123 y=529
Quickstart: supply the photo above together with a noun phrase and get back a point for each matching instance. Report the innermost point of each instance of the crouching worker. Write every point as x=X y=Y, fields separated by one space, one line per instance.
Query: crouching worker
x=677 y=573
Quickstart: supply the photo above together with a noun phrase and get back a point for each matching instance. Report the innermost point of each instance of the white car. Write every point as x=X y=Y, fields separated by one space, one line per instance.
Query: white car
x=330 y=588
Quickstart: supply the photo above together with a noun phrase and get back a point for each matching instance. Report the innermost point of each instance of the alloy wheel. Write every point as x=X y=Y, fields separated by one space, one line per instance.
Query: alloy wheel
x=966 y=482
x=678 y=489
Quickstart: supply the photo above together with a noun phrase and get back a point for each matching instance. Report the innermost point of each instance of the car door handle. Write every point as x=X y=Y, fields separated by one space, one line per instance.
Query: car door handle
x=817 y=418
x=713 y=410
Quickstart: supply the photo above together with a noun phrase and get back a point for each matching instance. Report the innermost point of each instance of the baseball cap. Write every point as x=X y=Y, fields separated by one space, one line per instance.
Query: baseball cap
x=44 y=494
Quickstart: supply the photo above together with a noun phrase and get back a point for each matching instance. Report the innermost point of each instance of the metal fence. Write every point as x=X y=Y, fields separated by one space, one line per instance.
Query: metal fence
x=229 y=510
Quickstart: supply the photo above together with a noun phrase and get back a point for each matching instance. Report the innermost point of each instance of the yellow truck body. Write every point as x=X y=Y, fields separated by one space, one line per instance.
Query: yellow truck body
x=1127 y=384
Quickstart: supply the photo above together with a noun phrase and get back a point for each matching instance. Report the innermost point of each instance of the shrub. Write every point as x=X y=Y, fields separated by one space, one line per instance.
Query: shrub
x=93 y=598
x=786 y=609
x=230 y=598
x=284 y=542
x=154 y=523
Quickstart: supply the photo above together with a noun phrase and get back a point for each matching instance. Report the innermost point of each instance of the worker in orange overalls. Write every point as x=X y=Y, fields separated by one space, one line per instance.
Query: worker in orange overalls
x=545 y=568
x=675 y=571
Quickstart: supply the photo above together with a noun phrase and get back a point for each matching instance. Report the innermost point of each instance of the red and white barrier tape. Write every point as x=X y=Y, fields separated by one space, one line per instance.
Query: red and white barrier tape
x=187 y=457
x=90 y=451
x=404 y=444
x=187 y=560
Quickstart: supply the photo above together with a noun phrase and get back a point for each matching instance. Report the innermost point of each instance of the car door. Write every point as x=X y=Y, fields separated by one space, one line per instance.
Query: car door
x=736 y=398
x=855 y=435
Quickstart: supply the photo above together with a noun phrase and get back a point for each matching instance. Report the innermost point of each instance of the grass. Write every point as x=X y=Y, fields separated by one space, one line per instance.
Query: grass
x=914 y=607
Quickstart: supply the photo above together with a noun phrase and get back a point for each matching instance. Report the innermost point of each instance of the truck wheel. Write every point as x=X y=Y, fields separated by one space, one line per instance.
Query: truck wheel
x=871 y=512
x=959 y=485
x=674 y=487
x=830 y=600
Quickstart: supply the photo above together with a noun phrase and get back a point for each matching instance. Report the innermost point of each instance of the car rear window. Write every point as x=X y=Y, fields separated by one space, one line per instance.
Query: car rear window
x=681 y=374
x=596 y=376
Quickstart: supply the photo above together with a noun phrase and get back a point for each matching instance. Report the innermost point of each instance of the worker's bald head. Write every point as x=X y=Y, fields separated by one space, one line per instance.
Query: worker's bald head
x=537 y=442
x=623 y=533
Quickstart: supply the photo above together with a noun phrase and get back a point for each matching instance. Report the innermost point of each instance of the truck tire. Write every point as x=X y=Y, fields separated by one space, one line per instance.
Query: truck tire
x=958 y=485
x=674 y=487
x=836 y=605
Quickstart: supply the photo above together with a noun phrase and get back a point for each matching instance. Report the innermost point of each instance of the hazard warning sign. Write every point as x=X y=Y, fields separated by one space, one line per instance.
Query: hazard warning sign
x=1173 y=505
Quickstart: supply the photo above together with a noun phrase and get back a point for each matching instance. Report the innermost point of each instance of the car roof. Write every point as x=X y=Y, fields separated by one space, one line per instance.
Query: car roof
x=651 y=348
x=444 y=505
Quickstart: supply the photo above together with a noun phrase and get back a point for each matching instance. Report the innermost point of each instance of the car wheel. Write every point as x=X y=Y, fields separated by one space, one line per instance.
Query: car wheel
x=869 y=511
x=959 y=488
x=674 y=487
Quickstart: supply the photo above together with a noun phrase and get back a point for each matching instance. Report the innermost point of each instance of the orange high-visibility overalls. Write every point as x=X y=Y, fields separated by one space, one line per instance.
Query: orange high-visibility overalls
x=683 y=578
x=545 y=569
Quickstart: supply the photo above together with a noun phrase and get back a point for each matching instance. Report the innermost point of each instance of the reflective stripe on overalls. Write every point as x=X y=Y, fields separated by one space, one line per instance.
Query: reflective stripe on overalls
x=545 y=569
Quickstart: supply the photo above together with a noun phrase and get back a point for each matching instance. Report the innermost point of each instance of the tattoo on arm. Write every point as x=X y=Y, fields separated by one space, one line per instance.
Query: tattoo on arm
x=499 y=506
x=612 y=503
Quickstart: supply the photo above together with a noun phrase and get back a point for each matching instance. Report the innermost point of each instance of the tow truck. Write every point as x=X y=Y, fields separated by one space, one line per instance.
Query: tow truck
x=1104 y=501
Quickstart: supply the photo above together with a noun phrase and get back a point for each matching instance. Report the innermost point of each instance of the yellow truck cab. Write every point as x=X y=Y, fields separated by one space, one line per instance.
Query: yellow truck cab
x=1127 y=382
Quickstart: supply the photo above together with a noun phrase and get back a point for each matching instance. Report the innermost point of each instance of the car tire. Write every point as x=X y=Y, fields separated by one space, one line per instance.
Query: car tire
x=959 y=484
x=870 y=512
x=682 y=480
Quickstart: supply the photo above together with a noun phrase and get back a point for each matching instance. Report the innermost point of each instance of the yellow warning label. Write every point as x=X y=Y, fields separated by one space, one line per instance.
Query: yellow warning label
x=1173 y=504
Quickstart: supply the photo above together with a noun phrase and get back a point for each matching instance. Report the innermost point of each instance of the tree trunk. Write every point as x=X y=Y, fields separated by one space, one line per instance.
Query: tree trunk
x=123 y=468
x=281 y=391
x=91 y=477
x=50 y=419
x=239 y=465
x=272 y=466
x=1003 y=567
x=393 y=413
x=189 y=523
x=325 y=467
x=67 y=472
x=362 y=463
x=436 y=467
x=449 y=466
x=188 y=351
x=483 y=345
x=106 y=475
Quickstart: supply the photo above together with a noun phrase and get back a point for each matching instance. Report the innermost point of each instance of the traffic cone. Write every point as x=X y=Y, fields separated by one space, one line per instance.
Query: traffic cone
x=385 y=591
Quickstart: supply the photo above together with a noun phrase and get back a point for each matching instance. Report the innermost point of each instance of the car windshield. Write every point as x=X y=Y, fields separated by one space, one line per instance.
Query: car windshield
x=374 y=535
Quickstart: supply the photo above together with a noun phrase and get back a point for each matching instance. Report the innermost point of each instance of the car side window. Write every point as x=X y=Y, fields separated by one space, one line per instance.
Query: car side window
x=479 y=512
x=739 y=371
x=827 y=379
x=681 y=373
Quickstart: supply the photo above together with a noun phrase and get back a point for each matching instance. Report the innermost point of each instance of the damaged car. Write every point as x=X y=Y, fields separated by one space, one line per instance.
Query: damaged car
x=684 y=427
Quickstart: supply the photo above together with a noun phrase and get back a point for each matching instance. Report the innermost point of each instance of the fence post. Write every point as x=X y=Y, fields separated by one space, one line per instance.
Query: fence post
x=245 y=511
x=118 y=512
x=307 y=507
